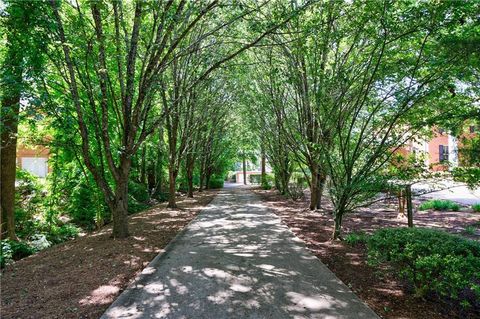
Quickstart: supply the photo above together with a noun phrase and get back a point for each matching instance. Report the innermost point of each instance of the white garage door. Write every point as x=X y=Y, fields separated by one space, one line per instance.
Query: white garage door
x=35 y=165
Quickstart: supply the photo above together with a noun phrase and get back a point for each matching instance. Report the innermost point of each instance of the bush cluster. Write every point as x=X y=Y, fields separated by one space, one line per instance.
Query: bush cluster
x=476 y=208
x=295 y=191
x=433 y=261
x=216 y=182
x=14 y=250
x=356 y=238
x=45 y=236
x=255 y=178
x=138 y=197
x=440 y=204
x=268 y=182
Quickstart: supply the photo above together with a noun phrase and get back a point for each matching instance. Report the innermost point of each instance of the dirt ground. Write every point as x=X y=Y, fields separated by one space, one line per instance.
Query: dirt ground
x=80 y=278
x=386 y=294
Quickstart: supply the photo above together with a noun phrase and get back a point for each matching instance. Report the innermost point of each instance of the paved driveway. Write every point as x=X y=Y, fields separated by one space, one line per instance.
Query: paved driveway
x=456 y=192
x=236 y=260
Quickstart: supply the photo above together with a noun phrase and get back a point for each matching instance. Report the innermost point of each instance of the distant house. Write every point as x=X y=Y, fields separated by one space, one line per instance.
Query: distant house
x=441 y=151
x=239 y=176
x=252 y=169
x=33 y=159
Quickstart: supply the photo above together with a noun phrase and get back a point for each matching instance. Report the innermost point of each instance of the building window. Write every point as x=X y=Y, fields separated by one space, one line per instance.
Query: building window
x=442 y=153
x=35 y=165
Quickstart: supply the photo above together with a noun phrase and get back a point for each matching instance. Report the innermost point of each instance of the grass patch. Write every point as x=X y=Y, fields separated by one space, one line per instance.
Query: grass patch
x=356 y=238
x=470 y=230
x=476 y=208
x=440 y=204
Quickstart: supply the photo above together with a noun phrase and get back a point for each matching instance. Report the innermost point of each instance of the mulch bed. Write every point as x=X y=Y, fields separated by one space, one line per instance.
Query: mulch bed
x=82 y=277
x=385 y=293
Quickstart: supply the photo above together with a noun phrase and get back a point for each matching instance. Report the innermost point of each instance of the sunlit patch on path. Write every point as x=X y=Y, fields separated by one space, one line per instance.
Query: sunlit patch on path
x=236 y=260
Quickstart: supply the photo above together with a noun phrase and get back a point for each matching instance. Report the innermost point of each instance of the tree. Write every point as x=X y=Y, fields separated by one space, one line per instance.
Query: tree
x=113 y=86
x=350 y=83
x=383 y=95
x=21 y=62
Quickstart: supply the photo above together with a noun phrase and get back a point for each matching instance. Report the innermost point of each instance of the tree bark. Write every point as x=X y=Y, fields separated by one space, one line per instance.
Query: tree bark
x=244 y=162
x=172 y=179
x=321 y=185
x=401 y=203
x=408 y=194
x=202 y=179
x=143 y=166
x=207 y=179
x=120 y=209
x=263 y=170
x=314 y=188
x=8 y=165
x=337 y=224
x=9 y=128
x=190 y=163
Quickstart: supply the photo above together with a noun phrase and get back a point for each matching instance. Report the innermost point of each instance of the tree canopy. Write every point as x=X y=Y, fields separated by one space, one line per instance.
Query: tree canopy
x=137 y=100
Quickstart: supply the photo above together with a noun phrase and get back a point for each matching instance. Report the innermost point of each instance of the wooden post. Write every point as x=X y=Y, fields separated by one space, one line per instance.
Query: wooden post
x=263 y=166
x=408 y=194
x=244 y=170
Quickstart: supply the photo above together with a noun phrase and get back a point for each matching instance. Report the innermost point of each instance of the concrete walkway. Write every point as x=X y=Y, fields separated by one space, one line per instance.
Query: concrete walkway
x=236 y=260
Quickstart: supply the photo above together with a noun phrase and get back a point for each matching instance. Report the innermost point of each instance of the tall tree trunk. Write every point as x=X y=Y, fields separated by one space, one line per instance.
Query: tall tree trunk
x=337 y=225
x=244 y=162
x=208 y=175
x=12 y=81
x=8 y=165
x=120 y=209
x=201 y=182
x=172 y=179
x=143 y=166
x=408 y=194
x=338 y=214
x=321 y=185
x=278 y=183
x=314 y=187
x=190 y=163
x=262 y=165
x=202 y=174
x=158 y=166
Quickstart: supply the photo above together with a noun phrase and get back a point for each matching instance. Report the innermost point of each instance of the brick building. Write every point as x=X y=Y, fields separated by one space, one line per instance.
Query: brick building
x=442 y=150
x=33 y=159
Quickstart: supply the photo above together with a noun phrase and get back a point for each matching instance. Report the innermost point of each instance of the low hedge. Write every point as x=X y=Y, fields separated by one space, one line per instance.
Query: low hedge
x=14 y=250
x=434 y=261
x=216 y=183
x=440 y=205
x=476 y=208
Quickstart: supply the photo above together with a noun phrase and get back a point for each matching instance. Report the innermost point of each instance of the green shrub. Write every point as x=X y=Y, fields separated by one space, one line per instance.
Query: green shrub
x=255 y=178
x=14 y=250
x=356 y=238
x=216 y=182
x=470 y=230
x=295 y=191
x=476 y=208
x=138 y=191
x=135 y=206
x=268 y=182
x=266 y=186
x=86 y=206
x=161 y=196
x=58 y=234
x=29 y=202
x=432 y=260
x=440 y=204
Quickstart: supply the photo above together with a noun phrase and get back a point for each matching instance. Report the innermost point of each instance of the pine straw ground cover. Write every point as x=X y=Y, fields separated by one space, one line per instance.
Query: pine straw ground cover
x=81 y=278
x=385 y=293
